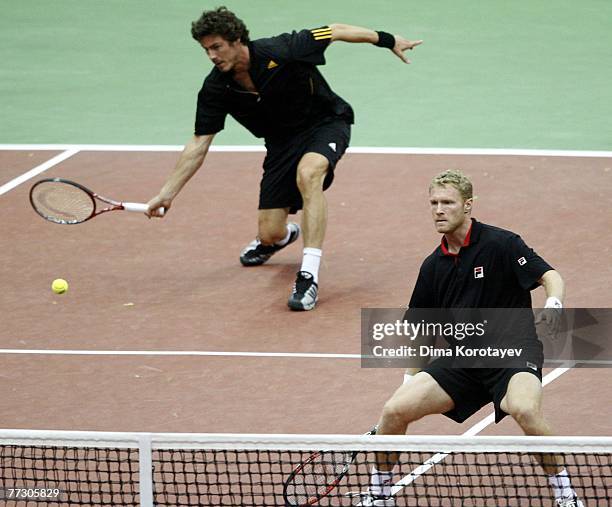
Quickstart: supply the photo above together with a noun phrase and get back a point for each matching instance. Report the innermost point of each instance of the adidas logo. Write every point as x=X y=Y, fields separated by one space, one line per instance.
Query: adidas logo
x=332 y=146
x=272 y=64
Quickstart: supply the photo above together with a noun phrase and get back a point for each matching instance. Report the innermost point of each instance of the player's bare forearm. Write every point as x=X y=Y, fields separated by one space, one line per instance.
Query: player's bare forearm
x=350 y=33
x=553 y=285
x=189 y=162
x=555 y=292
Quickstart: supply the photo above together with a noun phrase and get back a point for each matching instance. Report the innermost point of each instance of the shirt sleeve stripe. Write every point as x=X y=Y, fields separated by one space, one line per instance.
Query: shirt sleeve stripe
x=321 y=33
x=325 y=33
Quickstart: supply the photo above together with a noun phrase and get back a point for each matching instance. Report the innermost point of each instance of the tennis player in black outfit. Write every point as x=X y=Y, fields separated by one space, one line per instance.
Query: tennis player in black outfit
x=273 y=88
x=475 y=266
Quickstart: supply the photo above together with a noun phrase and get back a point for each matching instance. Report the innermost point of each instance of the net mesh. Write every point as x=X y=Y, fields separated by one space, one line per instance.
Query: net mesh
x=62 y=202
x=224 y=472
x=83 y=476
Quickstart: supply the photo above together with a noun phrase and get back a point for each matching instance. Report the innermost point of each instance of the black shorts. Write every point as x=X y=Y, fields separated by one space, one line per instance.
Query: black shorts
x=278 y=188
x=473 y=388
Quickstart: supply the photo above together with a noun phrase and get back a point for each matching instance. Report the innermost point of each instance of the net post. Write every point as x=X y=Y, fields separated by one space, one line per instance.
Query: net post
x=145 y=470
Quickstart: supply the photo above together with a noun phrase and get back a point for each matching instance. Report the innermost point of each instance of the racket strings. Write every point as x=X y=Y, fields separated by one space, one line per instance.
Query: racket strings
x=318 y=475
x=62 y=203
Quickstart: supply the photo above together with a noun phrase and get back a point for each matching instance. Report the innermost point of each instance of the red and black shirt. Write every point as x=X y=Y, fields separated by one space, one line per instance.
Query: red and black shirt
x=291 y=96
x=493 y=269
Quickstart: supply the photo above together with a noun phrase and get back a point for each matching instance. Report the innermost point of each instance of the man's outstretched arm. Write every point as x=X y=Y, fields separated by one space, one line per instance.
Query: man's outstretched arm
x=396 y=43
x=190 y=161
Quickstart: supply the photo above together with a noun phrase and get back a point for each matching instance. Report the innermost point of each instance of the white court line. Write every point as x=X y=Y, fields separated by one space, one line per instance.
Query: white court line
x=62 y=352
x=474 y=430
x=358 y=149
x=219 y=353
x=37 y=170
x=101 y=147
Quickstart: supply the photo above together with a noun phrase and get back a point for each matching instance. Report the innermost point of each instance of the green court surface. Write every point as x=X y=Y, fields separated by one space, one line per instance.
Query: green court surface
x=497 y=74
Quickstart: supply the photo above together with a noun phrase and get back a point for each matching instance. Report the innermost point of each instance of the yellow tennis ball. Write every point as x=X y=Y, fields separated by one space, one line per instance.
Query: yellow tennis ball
x=59 y=286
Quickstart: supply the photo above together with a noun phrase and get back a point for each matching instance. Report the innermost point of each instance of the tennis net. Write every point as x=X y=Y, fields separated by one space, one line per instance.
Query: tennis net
x=146 y=469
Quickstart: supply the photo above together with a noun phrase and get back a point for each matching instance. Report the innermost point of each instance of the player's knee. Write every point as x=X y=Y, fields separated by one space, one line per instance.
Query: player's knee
x=396 y=412
x=310 y=178
x=525 y=413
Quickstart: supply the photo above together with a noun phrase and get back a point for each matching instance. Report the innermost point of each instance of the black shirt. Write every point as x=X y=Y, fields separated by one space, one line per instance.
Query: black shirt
x=292 y=95
x=493 y=269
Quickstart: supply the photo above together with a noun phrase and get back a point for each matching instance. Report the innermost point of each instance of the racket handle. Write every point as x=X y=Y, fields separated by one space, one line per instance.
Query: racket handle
x=135 y=206
x=141 y=208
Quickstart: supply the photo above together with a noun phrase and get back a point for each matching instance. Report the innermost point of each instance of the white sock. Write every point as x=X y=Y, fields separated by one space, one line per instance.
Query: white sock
x=284 y=241
x=381 y=482
x=561 y=485
x=311 y=262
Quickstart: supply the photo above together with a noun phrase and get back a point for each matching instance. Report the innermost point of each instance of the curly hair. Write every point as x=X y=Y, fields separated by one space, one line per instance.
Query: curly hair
x=220 y=21
x=454 y=178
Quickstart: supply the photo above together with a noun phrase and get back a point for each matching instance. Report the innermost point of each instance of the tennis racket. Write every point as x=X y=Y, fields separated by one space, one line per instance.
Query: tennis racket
x=66 y=202
x=317 y=476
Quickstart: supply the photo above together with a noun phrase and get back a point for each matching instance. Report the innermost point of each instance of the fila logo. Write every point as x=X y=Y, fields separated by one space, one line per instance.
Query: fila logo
x=272 y=64
x=522 y=261
x=479 y=272
x=332 y=146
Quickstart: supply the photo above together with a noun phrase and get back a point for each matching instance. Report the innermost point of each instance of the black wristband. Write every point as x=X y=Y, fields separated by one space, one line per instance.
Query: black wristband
x=385 y=40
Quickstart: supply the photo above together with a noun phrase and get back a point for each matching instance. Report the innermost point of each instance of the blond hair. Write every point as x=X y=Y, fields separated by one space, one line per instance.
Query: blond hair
x=456 y=179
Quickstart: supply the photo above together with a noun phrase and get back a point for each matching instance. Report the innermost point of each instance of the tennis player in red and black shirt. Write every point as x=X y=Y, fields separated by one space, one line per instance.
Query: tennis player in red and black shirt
x=272 y=87
x=476 y=266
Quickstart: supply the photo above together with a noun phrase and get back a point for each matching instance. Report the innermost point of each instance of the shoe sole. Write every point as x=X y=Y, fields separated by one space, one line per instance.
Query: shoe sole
x=299 y=307
x=249 y=263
